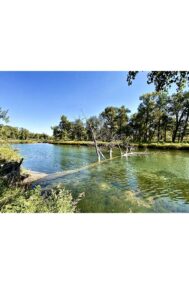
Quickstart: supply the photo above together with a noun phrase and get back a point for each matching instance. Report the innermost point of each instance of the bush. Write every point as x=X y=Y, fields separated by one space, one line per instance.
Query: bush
x=7 y=153
x=17 y=200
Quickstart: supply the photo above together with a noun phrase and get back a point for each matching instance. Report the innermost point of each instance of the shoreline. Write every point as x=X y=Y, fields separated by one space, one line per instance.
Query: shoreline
x=33 y=176
x=163 y=146
x=154 y=145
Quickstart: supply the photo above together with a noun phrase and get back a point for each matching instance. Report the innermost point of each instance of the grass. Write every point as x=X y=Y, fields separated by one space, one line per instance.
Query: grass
x=7 y=153
x=17 y=141
x=163 y=146
x=160 y=145
x=77 y=143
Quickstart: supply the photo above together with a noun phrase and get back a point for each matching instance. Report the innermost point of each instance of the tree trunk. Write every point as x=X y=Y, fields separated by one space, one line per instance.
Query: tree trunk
x=178 y=122
x=98 y=152
x=185 y=127
x=110 y=153
x=165 y=134
x=158 y=134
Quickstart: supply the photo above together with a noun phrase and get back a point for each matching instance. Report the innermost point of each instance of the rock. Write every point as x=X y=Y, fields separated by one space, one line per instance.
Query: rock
x=10 y=171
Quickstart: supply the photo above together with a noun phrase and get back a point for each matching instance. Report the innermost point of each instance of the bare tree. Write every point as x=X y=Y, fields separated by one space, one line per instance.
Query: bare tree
x=93 y=134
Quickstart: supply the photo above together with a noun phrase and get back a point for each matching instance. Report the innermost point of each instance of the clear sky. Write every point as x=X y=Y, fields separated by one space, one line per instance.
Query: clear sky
x=36 y=100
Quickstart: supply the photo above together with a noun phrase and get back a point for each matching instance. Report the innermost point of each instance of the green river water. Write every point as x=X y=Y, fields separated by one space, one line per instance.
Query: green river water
x=158 y=182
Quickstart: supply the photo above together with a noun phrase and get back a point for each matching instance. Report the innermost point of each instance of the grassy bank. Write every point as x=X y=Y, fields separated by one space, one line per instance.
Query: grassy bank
x=78 y=143
x=163 y=146
x=17 y=141
x=9 y=154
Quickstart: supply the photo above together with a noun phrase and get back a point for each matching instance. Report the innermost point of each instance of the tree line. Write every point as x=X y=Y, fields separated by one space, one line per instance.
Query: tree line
x=16 y=133
x=159 y=117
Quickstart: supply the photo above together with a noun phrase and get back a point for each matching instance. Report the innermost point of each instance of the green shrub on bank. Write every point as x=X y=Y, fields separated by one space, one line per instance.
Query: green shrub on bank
x=15 y=200
x=7 y=153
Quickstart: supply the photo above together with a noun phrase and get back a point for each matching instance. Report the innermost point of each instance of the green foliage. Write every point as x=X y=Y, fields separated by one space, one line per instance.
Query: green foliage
x=94 y=123
x=78 y=131
x=163 y=79
x=159 y=115
x=159 y=118
x=111 y=122
x=7 y=153
x=19 y=200
x=178 y=108
x=16 y=200
x=14 y=133
x=67 y=130
x=4 y=115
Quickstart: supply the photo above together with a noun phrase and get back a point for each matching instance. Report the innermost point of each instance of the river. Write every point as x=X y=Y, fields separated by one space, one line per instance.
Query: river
x=158 y=182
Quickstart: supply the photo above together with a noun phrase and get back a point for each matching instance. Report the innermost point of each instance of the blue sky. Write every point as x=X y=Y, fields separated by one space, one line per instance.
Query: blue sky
x=36 y=100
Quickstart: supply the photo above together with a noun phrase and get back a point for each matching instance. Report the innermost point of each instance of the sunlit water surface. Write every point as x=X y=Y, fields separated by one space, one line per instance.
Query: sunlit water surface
x=158 y=182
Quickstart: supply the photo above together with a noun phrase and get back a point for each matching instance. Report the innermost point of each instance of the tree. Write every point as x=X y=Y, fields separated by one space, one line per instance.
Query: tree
x=92 y=125
x=4 y=115
x=95 y=123
x=63 y=130
x=24 y=134
x=160 y=114
x=179 y=110
x=186 y=117
x=163 y=79
x=78 y=130
x=57 y=133
x=65 y=127
x=146 y=114
x=122 y=119
x=109 y=116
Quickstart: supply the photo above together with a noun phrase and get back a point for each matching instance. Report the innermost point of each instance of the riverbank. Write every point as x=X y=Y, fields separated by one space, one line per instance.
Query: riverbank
x=163 y=146
x=33 y=176
x=16 y=141
x=28 y=141
x=78 y=143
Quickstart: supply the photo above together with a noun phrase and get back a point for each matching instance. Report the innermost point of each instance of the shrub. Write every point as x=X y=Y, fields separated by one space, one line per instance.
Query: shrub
x=7 y=153
x=16 y=200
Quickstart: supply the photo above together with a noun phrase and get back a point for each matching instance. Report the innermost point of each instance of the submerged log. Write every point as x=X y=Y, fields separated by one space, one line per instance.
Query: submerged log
x=134 y=154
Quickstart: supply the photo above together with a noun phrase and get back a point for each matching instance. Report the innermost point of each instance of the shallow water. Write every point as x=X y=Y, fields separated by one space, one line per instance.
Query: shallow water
x=158 y=182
